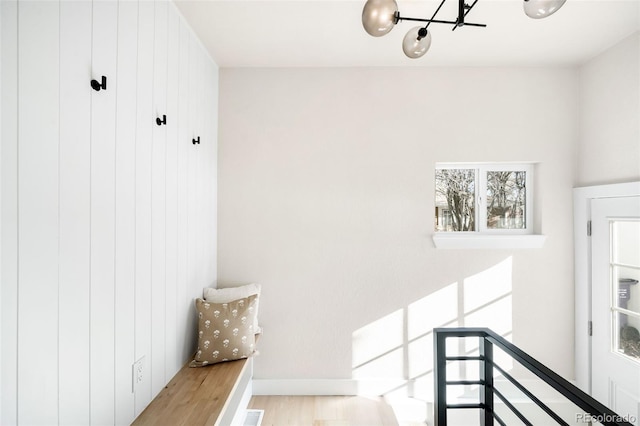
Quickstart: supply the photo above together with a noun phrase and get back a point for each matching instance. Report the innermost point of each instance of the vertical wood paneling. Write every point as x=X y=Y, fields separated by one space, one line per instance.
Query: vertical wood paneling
x=125 y=206
x=107 y=219
x=206 y=184
x=75 y=210
x=103 y=118
x=38 y=136
x=158 y=201
x=199 y=183
x=206 y=177
x=192 y=214
x=144 y=122
x=173 y=44
x=184 y=306
x=9 y=211
x=212 y=175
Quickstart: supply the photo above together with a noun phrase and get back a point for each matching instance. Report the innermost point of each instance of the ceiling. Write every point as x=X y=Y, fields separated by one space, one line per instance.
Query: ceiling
x=329 y=33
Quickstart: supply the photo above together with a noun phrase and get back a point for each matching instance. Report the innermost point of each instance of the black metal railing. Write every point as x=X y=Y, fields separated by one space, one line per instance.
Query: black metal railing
x=488 y=392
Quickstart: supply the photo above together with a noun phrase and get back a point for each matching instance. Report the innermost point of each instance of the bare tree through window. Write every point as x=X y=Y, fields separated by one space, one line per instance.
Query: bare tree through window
x=506 y=199
x=455 y=199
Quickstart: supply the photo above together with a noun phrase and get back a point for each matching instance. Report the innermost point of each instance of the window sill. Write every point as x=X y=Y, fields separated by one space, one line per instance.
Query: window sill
x=488 y=241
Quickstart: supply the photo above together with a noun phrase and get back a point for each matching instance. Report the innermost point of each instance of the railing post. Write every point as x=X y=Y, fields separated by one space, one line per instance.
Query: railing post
x=440 y=378
x=486 y=377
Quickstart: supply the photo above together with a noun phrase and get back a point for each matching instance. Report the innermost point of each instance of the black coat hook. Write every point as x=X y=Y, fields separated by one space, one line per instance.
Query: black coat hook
x=99 y=85
x=196 y=141
x=160 y=122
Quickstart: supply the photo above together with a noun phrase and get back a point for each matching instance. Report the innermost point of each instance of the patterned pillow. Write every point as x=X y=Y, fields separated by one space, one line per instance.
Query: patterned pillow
x=225 y=331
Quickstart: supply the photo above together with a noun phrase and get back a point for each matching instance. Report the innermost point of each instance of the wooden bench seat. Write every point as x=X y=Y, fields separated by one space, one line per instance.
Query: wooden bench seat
x=210 y=395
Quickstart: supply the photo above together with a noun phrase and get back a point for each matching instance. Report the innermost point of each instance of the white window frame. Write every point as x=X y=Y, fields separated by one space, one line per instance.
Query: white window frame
x=484 y=237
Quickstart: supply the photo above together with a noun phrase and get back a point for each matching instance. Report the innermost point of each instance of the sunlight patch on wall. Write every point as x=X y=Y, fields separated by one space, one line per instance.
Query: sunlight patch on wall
x=487 y=286
x=435 y=310
x=396 y=351
x=377 y=347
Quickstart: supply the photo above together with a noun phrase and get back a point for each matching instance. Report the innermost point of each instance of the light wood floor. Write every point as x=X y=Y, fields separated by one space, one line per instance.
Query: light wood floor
x=325 y=411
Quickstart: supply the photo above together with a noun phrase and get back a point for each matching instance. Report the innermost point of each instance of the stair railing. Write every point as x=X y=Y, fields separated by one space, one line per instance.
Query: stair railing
x=488 y=339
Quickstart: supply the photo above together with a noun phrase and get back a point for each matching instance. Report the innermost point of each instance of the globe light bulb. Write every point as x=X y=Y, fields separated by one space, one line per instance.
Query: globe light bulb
x=379 y=16
x=416 y=42
x=538 y=9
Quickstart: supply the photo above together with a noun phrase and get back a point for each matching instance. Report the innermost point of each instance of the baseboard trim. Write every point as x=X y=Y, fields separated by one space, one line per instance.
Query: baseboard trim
x=304 y=387
x=345 y=387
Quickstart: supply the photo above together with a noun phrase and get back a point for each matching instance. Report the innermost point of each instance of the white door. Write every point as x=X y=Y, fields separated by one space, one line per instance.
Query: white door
x=616 y=304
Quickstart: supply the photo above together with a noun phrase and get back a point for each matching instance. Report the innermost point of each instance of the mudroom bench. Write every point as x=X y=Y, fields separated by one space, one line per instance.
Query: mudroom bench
x=217 y=394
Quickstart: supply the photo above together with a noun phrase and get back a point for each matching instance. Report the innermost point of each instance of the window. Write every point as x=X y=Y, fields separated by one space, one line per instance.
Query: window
x=484 y=198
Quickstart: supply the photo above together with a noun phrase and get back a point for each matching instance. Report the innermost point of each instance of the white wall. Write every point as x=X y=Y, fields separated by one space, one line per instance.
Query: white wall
x=609 y=142
x=326 y=197
x=108 y=220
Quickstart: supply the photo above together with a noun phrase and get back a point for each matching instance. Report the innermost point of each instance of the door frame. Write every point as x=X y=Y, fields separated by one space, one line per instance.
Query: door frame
x=582 y=198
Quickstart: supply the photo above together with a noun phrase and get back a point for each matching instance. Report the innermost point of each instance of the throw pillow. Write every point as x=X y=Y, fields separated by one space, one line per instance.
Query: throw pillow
x=225 y=331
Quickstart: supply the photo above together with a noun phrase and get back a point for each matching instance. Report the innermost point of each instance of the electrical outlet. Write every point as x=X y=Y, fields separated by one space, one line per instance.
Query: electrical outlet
x=137 y=373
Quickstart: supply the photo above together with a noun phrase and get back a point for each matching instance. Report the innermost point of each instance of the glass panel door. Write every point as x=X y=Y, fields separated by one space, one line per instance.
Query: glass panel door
x=625 y=295
x=615 y=297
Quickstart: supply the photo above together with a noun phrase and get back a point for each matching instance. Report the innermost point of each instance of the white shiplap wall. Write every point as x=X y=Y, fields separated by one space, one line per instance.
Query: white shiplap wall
x=108 y=221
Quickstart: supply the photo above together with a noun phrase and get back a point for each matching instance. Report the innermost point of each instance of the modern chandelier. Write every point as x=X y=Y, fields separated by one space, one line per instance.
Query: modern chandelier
x=379 y=17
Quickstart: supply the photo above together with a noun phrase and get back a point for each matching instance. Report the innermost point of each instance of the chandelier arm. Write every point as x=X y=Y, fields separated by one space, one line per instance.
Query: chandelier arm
x=461 y=15
x=434 y=14
x=437 y=21
x=467 y=9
